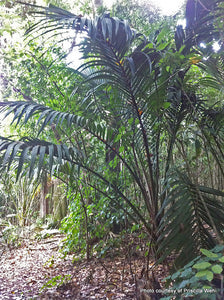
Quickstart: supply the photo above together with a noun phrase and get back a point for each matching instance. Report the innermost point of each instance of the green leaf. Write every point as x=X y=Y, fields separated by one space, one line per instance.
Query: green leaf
x=130 y=121
x=121 y=149
x=41 y=158
x=193 y=280
x=166 y=105
x=33 y=159
x=218 y=248
x=206 y=287
x=51 y=153
x=221 y=259
x=191 y=262
x=175 y=275
x=187 y=273
x=162 y=34
x=208 y=253
x=22 y=160
x=217 y=269
x=205 y=273
x=184 y=284
x=8 y=152
x=202 y=265
x=118 y=137
x=59 y=152
x=211 y=191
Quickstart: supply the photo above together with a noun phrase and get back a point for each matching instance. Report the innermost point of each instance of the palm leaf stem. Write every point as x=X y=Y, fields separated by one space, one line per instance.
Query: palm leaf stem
x=144 y=135
x=157 y=171
x=135 y=176
x=136 y=162
x=117 y=190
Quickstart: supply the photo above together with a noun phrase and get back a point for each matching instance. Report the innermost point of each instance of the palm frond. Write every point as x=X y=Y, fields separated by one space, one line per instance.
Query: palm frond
x=191 y=213
x=24 y=110
x=214 y=66
x=35 y=153
x=201 y=17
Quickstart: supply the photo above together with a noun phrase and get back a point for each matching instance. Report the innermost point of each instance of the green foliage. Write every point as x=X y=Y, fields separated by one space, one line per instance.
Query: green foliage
x=20 y=198
x=10 y=235
x=49 y=263
x=73 y=226
x=197 y=278
x=56 y=282
x=90 y=223
x=142 y=15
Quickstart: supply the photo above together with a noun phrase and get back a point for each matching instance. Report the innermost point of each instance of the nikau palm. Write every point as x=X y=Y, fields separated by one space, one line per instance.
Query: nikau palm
x=137 y=106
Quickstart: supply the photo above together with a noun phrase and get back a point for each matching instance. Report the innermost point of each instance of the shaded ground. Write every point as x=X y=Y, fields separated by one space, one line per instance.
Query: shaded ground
x=24 y=271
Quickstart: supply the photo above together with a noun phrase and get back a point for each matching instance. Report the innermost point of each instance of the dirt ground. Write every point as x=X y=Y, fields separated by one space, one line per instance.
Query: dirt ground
x=37 y=270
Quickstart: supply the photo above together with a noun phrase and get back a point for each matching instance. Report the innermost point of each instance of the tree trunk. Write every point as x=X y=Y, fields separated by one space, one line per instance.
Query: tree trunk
x=44 y=200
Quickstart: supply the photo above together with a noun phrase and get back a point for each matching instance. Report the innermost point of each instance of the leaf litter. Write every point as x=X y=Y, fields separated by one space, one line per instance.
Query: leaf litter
x=37 y=270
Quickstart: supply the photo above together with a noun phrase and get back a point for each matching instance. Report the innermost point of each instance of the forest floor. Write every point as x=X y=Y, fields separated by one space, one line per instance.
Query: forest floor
x=37 y=270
